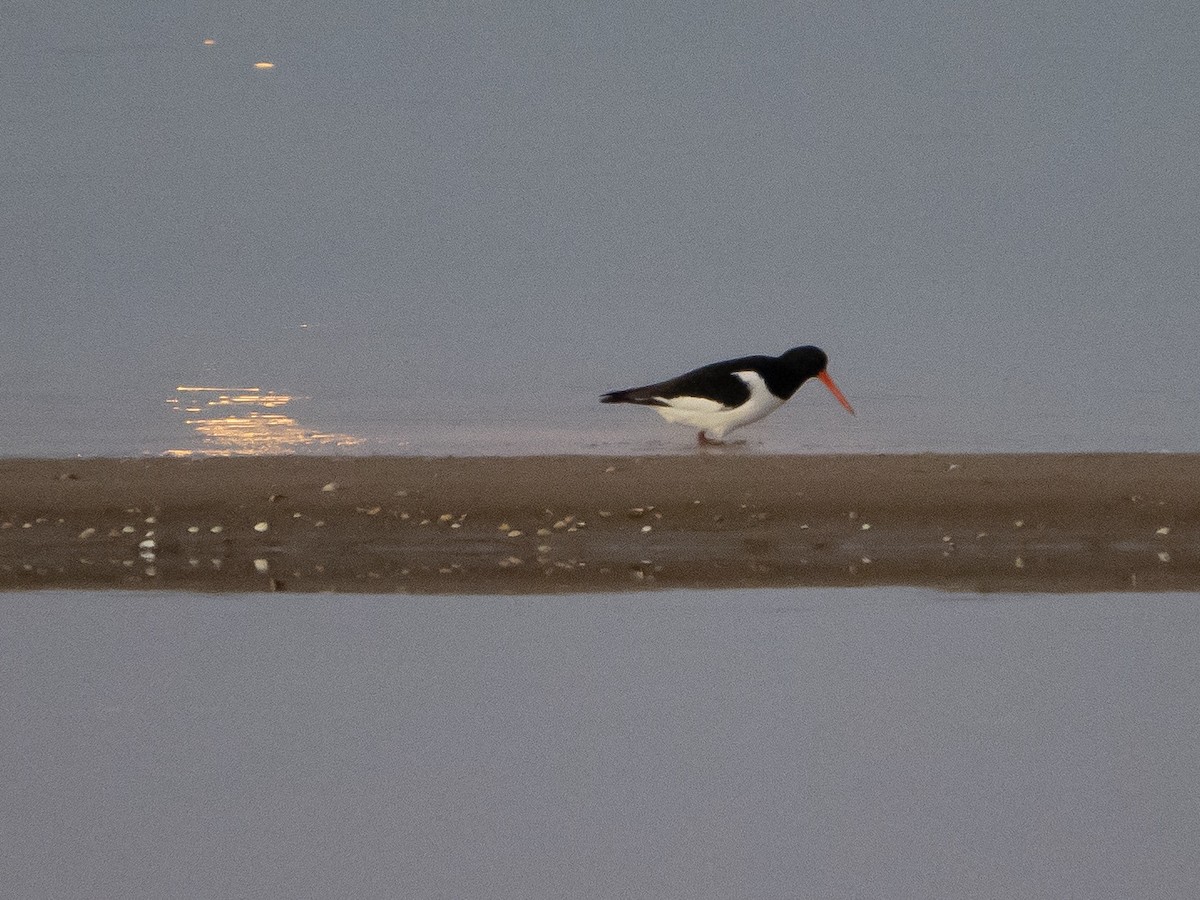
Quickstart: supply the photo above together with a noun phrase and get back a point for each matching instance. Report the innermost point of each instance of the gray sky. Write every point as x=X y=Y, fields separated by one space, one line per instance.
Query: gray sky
x=949 y=197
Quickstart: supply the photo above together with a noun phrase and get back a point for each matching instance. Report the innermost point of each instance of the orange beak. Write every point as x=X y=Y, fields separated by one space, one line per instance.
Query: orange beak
x=833 y=389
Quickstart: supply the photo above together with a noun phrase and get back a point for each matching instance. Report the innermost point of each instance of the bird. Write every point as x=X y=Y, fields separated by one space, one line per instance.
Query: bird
x=722 y=396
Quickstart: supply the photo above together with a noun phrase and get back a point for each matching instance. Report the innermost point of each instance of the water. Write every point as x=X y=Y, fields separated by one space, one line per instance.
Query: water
x=884 y=743
x=449 y=230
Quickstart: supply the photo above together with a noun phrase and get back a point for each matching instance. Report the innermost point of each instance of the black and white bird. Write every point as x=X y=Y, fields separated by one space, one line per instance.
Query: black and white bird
x=722 y=396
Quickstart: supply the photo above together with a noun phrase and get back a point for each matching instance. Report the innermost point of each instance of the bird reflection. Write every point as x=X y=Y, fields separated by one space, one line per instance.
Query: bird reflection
x=243 y=422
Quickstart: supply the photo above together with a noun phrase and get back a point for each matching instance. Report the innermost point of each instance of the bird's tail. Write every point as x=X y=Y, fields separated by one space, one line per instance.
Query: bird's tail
x=632 y=395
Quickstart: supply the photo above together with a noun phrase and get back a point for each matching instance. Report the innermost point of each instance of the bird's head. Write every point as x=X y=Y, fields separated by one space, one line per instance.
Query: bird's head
x=811 y=362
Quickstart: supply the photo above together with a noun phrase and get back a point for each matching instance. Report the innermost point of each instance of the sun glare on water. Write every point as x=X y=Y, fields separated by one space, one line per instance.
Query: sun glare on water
x=245 y=422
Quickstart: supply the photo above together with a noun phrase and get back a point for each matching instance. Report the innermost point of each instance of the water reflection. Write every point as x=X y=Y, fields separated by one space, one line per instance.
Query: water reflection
x=243 y=422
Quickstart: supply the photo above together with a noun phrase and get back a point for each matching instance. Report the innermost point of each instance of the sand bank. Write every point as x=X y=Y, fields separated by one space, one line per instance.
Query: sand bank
x=1062 y=522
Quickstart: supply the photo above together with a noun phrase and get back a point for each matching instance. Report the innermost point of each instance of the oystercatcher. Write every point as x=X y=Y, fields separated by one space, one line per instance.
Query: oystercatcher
x=722 y=396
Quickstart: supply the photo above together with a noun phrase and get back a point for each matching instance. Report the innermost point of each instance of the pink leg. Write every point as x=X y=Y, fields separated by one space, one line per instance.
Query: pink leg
x=703 y=440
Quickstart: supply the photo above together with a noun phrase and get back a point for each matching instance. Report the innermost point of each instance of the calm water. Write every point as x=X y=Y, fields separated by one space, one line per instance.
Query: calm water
x=805 y=743
x=449 y=230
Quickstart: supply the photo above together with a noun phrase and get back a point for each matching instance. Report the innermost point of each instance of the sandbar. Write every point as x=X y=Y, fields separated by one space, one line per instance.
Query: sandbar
x=974 y=523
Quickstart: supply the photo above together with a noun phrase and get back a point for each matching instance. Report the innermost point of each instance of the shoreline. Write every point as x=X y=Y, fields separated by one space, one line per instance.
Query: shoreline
x=572 y=524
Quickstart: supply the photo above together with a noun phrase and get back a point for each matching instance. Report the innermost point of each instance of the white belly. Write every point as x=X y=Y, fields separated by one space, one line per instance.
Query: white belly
x=716 y=420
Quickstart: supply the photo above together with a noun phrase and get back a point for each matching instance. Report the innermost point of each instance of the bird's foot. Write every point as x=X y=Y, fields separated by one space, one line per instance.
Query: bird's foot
x=703 y=440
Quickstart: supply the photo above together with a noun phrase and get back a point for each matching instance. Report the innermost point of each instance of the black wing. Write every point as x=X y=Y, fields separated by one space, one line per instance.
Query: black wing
x=713 y=382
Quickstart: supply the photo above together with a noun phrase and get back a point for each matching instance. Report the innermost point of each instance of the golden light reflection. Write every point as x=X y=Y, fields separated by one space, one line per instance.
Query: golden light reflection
x=264 y=65
x=208 y=42
x=241 y=422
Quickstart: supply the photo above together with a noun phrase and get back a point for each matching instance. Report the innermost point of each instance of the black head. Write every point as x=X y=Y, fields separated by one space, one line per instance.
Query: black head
x=806 y=362
x=810 y=362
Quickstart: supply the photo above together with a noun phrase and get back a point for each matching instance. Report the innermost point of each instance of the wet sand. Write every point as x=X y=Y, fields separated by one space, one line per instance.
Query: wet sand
x=997 y=522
